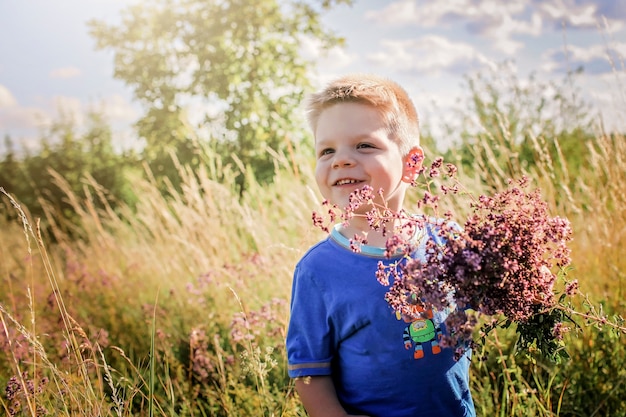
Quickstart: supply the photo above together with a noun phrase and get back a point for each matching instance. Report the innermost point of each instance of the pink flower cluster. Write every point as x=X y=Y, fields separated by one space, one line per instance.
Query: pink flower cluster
x=500 y=262
x=202 y=366
x=246 y=327
x=18 y=389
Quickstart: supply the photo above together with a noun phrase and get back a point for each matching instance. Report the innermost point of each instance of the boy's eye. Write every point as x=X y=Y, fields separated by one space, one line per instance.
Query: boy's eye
x=326 y=151
x=364 y=145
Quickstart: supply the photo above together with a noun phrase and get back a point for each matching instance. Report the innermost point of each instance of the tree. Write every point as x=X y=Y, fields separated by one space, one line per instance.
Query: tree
x=9 y=167
x=240 y=58
x=74 y=155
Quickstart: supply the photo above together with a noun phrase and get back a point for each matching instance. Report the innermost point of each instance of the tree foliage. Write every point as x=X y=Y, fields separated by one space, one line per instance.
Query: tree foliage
x=67 y=162
x=237 y=63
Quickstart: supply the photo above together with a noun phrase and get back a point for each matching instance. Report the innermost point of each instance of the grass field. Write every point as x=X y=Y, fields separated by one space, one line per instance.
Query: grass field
x=180 y=306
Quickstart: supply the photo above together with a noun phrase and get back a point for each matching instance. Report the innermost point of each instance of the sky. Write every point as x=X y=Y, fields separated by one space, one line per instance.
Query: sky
x=49 y=65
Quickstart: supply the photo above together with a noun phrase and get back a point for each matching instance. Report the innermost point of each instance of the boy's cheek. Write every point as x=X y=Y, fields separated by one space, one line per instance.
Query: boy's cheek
x=320 y=174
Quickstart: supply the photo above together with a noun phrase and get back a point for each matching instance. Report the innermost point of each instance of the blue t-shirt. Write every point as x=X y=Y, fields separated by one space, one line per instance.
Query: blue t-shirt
x=382 y=366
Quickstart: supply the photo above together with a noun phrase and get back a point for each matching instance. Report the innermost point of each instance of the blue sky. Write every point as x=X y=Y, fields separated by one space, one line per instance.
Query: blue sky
x=48 y=62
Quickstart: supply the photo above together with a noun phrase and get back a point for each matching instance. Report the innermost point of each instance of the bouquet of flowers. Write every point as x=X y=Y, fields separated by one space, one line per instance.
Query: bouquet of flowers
x=503 y=262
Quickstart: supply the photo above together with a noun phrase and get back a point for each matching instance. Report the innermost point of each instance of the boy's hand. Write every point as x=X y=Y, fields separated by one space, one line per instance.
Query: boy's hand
x=319 y=397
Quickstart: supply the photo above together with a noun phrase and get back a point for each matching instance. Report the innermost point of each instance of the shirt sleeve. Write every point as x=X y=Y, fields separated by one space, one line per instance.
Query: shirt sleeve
x=309 y=337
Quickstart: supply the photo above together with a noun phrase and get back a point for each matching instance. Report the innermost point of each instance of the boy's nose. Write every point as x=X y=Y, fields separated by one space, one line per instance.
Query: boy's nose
x=342 y=160
x=342 y=163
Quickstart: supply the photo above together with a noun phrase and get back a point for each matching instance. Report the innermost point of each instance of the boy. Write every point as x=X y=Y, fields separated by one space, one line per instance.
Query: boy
x=346 y=348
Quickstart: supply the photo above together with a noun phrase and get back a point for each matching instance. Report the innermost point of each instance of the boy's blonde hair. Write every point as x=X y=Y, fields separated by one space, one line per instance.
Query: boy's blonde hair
x=383 y=94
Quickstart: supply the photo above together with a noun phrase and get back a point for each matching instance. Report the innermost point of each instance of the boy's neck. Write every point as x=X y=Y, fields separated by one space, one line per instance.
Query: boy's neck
x=359 y=226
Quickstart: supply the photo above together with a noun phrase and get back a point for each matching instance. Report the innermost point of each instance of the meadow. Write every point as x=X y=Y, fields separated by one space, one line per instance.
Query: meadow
x=179 y=305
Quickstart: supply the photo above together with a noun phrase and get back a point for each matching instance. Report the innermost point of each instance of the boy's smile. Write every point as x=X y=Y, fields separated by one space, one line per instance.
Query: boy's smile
x=347 y=182
x=353 y=149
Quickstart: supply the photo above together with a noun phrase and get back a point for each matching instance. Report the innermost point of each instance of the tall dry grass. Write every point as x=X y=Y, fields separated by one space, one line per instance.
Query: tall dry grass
x=190 y=267
x=179 y=306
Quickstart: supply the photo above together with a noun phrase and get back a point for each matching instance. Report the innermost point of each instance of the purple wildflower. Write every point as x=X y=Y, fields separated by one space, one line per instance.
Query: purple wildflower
x=17 y=393
x=500 y=263
x=247 y=327
x=356 y=242
x=202 y=366
x=318 y=221
x=571 y=288
x=559 y=330
x=451 y=170
x=381 y=274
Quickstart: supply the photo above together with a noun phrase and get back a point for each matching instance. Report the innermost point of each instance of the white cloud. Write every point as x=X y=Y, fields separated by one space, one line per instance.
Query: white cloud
x=117 y=109
x=14 y=117
x=329 y=64
x=65 y=72
x=483 y=16
x=6 y=98
x=21 y=118
x=507 y=28
x=69 y=107
x=567 y=12
x=28 y=121
x=336 y=58
x=478 y=16
x=399 y=13
x=428 y=55
x=607 y=94
x=594 y=59
x=582 y=14
x=493 y=19
x=503 y=23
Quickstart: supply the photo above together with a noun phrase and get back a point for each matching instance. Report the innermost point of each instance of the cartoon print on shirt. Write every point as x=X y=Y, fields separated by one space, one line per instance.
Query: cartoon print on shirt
x=421 y=330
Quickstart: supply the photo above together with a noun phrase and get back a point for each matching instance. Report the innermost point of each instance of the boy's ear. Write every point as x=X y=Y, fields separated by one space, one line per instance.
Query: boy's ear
x=412 y=164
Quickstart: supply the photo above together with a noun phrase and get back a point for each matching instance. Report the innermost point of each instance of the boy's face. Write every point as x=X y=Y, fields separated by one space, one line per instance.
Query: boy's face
x=354 y=149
